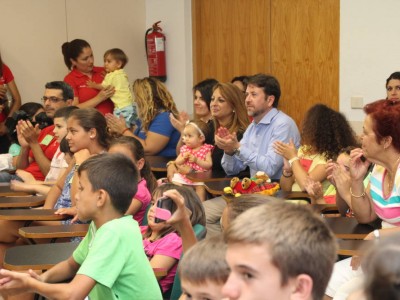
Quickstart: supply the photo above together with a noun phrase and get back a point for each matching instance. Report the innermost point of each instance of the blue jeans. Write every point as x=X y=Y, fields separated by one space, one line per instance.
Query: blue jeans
x=7 y=177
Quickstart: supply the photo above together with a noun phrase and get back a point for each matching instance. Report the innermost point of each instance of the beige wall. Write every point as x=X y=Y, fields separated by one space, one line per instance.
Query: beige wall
x=33 y=31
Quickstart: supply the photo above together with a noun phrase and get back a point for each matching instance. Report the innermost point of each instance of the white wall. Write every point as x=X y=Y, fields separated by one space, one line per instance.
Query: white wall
x=33 y=32
x=176 y=22
x=369 y=51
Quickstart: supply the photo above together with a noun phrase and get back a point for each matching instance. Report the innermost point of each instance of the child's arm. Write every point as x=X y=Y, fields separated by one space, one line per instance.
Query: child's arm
x=180 y=160
x=135 y=206
x=205 y=164
x=163 y=262
x=94 y=85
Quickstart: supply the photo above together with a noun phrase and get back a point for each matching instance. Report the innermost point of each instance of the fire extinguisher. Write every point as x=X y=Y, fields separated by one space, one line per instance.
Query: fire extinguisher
x=155 y=51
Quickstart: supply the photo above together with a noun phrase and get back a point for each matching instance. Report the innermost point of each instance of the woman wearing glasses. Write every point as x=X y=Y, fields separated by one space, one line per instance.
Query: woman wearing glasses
x=78 y=58
x=7 y=86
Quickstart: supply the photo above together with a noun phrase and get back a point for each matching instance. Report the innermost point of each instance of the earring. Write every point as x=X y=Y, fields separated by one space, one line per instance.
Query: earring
x=233 y=111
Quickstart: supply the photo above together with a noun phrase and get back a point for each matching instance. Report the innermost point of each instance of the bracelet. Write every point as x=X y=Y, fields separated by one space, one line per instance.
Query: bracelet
x=292 y=160
x=125 y=130
x=357 y=196
x=286 y=175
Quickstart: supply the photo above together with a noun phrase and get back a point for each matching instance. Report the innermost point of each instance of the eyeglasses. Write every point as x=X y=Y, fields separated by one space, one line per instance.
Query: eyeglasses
x=52 y=99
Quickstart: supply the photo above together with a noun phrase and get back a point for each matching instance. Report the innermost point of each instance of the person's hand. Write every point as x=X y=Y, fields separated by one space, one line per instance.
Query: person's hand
x=287 y=151
x=330 y=167
x=171 y=170
x=19 y=186
x=342 y=180
x=106 y=92
x=21 y=140
x=182 y=213
x=25 y=176
x=3 y=91
x=186 y=155
x=71 y=211
x=314 y=189
x=91 y=84
x=192 y=158
x=228 y=143
x=13 y=283
x=29 y=132
x=222 y=132
x=183 y=169
x=179 y=124
x=115 y=124
x=358 y=168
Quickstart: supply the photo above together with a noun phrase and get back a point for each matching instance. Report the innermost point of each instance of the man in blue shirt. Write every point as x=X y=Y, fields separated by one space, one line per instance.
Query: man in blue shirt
x=269 y=125
x=256 y=147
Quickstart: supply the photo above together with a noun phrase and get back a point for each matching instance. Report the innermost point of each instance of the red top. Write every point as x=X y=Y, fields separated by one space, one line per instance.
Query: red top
x=77 y=81
x=49 y=146
x=6 y=78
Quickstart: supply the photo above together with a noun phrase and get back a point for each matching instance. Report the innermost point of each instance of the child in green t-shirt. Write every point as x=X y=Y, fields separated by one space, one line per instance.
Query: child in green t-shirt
x=110 y=262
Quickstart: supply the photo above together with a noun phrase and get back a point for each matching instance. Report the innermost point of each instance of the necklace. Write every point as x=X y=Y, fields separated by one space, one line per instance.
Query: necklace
x=390 y=181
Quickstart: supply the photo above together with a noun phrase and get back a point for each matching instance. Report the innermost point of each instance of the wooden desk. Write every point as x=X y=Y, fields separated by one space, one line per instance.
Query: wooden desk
x=348 y=228
x=53 y=232
x=217 y=187
x=6 y=191
x=31 y=215
x=44 y=256
x=208 y=176
x=158 y=163
x=352 y=247
x=22 y=201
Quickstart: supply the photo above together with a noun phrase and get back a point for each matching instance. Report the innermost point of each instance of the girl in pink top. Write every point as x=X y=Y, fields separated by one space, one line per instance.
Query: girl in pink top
x=162 y=243
x=132 y=148
x=195 y=155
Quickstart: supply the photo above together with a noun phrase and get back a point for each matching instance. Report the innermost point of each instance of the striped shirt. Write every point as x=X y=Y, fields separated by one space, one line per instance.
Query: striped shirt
x=387 y=208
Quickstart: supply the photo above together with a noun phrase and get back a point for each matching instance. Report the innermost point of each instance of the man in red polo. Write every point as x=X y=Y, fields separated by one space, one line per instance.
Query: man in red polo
x=38 y=146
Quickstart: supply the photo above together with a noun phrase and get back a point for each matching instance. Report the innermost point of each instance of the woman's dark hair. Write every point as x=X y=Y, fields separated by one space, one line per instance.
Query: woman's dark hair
x=137 y=151
x=90 y=118
x=205 y=88
x=395 y=75
x=326 y=131
x=31 y=108
x=72 y=49
x=192 y=202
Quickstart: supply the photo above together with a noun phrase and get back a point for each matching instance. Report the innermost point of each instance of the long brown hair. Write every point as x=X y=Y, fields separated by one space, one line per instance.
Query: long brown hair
x=232 y=94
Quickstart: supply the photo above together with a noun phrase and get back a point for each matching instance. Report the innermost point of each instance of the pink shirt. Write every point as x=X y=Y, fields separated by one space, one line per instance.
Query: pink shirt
x=143 y=195
x=169 y=245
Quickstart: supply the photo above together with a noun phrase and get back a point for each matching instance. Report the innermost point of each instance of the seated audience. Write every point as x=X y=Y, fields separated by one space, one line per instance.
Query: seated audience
x=278 y=251
x=110 y=262
x=39 y=146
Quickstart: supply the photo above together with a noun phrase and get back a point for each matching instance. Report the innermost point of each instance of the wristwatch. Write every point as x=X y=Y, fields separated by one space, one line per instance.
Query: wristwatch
x=236 y=151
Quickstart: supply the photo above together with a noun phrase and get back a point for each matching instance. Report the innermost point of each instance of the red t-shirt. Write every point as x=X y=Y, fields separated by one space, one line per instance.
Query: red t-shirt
x=6 y=78
x=49 y=146
x=77 y=81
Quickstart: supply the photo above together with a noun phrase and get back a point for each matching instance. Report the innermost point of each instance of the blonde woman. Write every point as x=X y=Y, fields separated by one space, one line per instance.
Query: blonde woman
x=154 y=129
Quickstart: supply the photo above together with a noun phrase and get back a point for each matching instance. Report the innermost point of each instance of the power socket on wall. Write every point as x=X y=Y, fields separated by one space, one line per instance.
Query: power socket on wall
x=357 y=102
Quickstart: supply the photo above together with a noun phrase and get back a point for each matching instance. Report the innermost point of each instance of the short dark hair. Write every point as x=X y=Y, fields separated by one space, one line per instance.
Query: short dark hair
x=395 y=75
x=64 y=112
x=67 y=92
x=205 y=88
x=118 y=55
x=114 y=173
x=269 y=84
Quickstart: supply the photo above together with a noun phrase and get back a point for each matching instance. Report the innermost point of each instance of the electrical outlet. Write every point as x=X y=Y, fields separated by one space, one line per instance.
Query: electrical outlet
x=357 y=102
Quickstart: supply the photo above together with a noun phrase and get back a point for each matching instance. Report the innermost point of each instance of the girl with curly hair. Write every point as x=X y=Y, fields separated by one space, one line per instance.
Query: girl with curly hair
x=324 y=133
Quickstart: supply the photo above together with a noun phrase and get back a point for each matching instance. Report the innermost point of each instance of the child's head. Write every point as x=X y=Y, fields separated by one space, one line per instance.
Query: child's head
x=279 y=250
x=382 y=270
x=192 y=202
x=343 y=159
x=194 y=133
x=133 y=149
x=60 y=121
x=86 y=127
x=105 y=178
x=203 y=269
x=114 y=59
x=238 y=205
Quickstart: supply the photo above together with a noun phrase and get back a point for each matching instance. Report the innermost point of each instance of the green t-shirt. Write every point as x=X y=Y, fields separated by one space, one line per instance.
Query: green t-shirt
x=113 y=256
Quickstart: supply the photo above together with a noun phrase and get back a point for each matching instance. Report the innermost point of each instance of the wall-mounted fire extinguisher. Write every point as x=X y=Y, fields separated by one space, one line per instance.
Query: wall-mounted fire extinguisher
x=155 y=51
